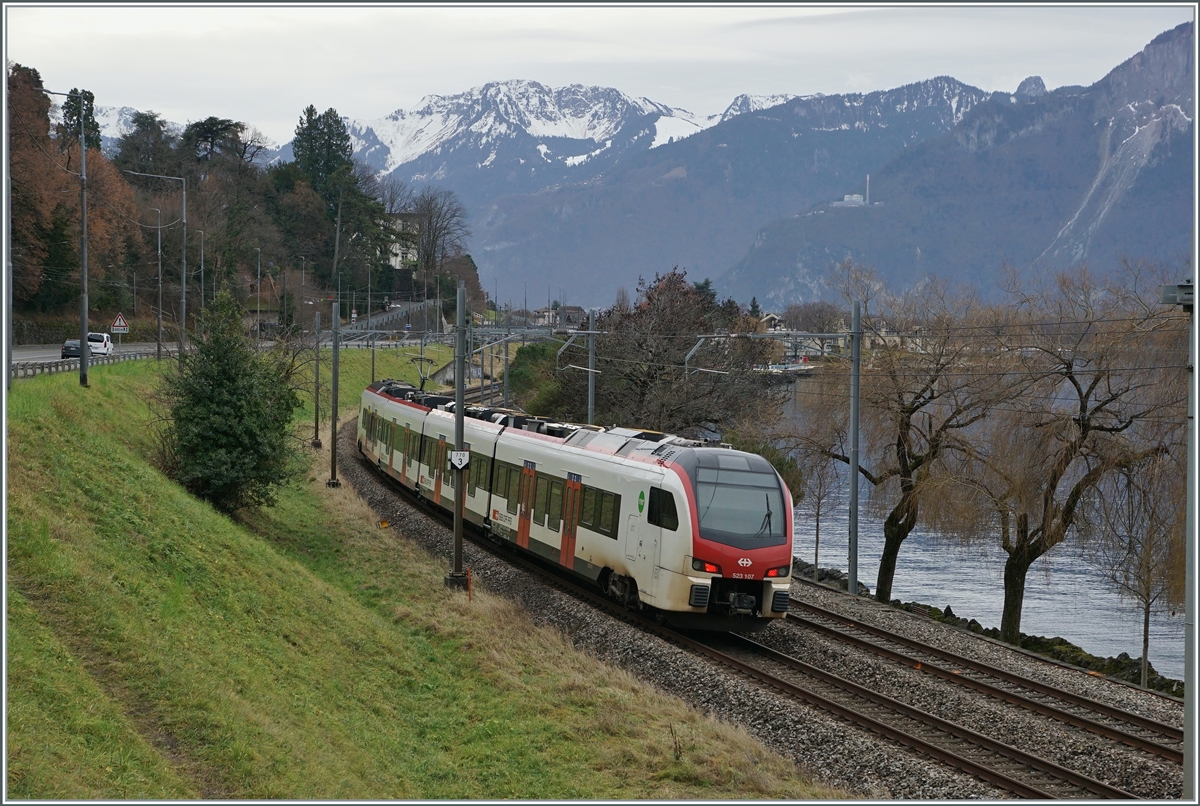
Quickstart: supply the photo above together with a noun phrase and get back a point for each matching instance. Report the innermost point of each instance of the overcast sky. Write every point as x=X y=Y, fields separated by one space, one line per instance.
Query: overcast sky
x=262 y=65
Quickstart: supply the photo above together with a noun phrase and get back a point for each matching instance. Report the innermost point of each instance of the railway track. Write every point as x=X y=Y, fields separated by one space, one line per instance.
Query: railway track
x=1133 y=730
x=1006 y=767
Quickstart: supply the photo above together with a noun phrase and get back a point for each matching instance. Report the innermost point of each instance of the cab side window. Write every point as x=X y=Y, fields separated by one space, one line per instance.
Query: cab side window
x=662 y=509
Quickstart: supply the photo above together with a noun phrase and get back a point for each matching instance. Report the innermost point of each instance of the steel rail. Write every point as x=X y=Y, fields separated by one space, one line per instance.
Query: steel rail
x=1169 y=731
x=1020 y=757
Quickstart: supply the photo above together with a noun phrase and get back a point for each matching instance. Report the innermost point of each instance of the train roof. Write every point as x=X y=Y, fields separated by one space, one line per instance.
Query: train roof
x=637 y=444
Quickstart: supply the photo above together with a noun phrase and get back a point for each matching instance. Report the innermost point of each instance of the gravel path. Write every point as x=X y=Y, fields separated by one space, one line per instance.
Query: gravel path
x=833 y=752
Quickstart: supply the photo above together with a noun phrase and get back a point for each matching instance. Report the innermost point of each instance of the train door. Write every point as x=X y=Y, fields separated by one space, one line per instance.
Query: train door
x=525 y=505
x=394 y=440
x=439 y=469
x=405 y=448
x=632 y=538
x=572 y=496
x=382 y=430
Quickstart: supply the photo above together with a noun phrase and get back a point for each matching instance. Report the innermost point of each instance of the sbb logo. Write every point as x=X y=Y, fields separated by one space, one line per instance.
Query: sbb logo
x=745 y=561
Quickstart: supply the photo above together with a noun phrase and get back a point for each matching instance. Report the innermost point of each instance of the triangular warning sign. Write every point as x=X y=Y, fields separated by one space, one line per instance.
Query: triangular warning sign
x=120 y=321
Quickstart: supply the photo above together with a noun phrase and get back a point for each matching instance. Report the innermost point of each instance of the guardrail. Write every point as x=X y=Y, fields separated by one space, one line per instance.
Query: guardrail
x=28 y=369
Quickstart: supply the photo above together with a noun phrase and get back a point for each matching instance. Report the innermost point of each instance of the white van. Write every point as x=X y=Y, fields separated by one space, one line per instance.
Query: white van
x=100 y=344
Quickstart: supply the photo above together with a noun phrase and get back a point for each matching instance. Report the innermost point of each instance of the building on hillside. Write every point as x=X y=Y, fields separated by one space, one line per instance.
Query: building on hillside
x=849 y=200
x=562 y=316
x=404 y=250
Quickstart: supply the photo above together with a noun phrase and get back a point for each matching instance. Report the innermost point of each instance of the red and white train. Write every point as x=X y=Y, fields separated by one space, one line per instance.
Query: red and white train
x=697 y=533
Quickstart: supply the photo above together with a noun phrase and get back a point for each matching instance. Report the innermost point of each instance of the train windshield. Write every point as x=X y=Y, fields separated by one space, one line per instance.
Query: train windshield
x=741 y=508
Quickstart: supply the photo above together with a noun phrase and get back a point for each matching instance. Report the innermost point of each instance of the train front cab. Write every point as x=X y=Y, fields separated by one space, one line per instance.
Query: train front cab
x=729 y=558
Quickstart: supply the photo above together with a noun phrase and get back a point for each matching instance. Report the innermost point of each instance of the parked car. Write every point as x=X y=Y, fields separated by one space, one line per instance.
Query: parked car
x=70 y=348
x=100 y=344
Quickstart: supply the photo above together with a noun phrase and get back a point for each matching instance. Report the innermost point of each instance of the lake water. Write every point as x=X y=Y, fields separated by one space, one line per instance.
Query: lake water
x=1064 y=596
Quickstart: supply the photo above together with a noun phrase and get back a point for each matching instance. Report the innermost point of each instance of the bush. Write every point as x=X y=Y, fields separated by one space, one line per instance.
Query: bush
x=228 y=434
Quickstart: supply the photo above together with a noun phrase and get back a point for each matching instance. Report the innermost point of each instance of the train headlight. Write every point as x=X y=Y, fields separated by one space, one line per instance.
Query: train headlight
x=705 y=566
x=781 y=571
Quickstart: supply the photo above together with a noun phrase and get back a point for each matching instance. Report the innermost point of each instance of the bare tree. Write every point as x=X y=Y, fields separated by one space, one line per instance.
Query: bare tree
x=820 y=481
x=926 y=382
x=815 y=317
x=395 y=194
x=442 y=227
x=1138 y=533
x=1097 y=364
x=646 y=376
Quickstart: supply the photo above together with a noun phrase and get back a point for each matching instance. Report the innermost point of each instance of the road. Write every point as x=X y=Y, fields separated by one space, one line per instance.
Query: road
x=53 y=352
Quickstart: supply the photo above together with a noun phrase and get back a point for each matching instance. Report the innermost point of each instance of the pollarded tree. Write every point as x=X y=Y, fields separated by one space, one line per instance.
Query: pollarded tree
x=1098 y=363
x=926 y=381
x=227 y=430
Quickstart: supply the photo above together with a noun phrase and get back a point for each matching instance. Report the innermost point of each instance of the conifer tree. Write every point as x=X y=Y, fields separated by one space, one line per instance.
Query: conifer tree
x=228 y=437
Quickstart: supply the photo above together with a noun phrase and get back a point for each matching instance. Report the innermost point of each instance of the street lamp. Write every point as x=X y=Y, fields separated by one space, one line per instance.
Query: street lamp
x=84 y=349
x=202 y=269
x=159 y=230
x=182 y=261
x=258 y=293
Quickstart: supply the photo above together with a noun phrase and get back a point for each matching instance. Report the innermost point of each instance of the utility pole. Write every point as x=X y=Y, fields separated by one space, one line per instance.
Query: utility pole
x=202 y=269
x=159 y=228
x=1181 y=295
x=333 y=411
x=84 y=349
x=183 y=277
x=258 y=293
x=316 y=440
x=592 y=367
x=456 y=578
x=855 y=355
x=507 y=336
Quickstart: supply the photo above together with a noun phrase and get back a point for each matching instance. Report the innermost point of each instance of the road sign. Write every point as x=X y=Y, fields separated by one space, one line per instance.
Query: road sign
x=460 y=458
x=119 y=325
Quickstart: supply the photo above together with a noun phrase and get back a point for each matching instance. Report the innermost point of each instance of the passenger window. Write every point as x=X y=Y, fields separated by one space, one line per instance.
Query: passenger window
x=472 y=474
x=587 y=516
x=556 y=501
x=485 y=472
x=608 y=514
x=662 y=509
x=501 y=478
x=540 y=500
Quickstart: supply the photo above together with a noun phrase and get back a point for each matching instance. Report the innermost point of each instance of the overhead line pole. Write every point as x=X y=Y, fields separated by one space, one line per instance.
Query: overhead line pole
x=1182 y=295
x=183 y=278
x=855 y=355
x=592 y=367
x=456 y=578
x=333 y=411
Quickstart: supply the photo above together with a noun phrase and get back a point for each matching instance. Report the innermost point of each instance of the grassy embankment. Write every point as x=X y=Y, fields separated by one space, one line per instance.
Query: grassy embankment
x=158 y=649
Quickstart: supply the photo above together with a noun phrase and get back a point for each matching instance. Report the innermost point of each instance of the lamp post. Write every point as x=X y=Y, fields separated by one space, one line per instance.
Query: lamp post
x=182 y=261
x=158 y=346
x=84 y=349
x=258 y=293
x=201 y=268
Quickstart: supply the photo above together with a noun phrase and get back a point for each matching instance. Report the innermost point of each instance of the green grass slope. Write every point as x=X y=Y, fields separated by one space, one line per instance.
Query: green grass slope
x=158 y=649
